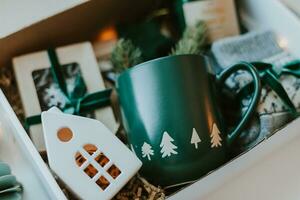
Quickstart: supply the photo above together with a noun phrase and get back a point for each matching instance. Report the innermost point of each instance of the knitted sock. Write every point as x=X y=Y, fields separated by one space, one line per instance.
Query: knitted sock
x=252 y=46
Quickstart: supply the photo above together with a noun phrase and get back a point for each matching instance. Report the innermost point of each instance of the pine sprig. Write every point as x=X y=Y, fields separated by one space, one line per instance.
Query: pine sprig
x=125 y=55
x=192 y=41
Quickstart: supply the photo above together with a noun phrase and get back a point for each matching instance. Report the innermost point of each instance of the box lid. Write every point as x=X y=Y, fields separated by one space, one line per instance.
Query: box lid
x=16 y=15
x=33 y=25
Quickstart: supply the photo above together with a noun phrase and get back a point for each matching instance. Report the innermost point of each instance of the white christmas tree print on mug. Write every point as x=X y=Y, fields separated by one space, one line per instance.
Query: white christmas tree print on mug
x=167 y=147
x=147 y=151
x=215 y=136
x=195 y=138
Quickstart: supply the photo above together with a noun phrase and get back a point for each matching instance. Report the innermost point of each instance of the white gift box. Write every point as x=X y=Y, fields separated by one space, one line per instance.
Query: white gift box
x=17 y=150
x=269 y=171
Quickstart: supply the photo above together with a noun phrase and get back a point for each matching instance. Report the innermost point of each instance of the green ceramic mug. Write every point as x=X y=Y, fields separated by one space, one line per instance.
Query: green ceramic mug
x=173 y=122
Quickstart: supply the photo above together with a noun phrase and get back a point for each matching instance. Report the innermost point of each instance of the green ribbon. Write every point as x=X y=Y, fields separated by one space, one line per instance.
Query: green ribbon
x=292 y=68
x=270 y=77
x=79 y=102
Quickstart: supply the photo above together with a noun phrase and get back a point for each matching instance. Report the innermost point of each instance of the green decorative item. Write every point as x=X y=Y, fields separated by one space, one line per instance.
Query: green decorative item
x=10 y=189
x=292 y=68
x=125 y=55
x=147 y=35
x=192 y=41
x=171 y=115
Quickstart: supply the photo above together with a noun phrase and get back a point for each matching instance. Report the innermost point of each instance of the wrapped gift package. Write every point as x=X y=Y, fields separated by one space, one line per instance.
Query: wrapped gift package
x=32 y=73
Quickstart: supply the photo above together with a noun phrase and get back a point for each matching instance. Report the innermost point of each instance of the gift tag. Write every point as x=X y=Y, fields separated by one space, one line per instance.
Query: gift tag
x=86 y=155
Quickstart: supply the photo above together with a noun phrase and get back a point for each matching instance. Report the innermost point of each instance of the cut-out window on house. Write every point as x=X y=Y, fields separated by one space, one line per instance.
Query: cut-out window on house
x=90 y=170
x=102 y=159
x=102 y=182
x=90 y=148
x=96 y=164
x=114 y=171
x=79 y=159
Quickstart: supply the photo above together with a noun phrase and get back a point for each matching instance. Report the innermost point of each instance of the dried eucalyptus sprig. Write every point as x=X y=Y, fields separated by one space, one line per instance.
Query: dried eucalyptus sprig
x=125 y=55
x=192 y=41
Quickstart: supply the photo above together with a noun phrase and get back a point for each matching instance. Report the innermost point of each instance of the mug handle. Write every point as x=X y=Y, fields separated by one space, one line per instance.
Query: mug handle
x=222 y=77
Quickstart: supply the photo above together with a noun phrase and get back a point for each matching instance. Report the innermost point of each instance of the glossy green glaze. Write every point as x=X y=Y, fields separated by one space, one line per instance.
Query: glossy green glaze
x=172 y=119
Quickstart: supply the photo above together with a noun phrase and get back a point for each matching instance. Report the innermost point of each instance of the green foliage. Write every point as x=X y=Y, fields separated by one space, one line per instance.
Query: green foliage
x=125 y=55
x=192 y=41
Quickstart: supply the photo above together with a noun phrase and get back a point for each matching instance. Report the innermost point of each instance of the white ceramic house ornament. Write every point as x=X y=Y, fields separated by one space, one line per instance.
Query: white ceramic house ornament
x=86 y=155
